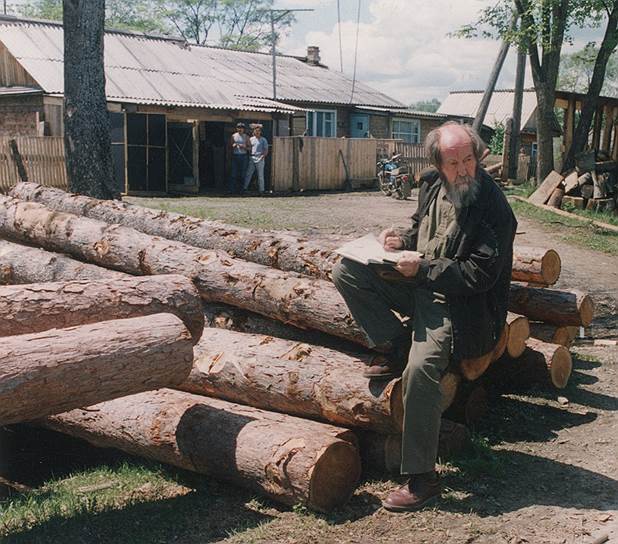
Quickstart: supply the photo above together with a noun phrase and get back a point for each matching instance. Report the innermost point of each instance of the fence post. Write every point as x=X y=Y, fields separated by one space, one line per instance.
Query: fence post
x=21 y=169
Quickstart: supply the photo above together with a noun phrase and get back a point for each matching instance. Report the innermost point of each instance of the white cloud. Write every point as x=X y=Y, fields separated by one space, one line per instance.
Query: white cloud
x=404 y=48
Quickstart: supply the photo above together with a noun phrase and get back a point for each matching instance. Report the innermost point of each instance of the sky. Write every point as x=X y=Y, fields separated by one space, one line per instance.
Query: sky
x=404 y=48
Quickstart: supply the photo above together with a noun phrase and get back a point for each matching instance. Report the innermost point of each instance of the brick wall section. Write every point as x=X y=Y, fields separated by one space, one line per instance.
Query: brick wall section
x=427 y=125
x=18 y=116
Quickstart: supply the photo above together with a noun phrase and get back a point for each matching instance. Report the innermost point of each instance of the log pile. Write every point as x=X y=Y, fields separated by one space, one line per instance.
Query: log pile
x=271 y=387
x=592 y=185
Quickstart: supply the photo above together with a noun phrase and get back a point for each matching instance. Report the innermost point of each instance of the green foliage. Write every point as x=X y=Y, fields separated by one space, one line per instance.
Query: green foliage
x=426 y=105
x=496 y=144
x=576 y=71
x=237 y=24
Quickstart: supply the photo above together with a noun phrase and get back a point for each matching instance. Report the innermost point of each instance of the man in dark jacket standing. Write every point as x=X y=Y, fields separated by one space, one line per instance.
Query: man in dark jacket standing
x=453 y=284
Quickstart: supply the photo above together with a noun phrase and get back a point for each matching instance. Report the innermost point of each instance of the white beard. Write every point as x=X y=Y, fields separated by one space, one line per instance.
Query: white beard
x=464 y=191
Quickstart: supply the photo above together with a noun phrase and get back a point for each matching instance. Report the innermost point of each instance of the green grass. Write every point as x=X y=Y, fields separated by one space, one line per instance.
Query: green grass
x=571 y=230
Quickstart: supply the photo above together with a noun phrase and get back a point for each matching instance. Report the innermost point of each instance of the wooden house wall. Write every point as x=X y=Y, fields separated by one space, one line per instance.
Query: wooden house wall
x=11 y=72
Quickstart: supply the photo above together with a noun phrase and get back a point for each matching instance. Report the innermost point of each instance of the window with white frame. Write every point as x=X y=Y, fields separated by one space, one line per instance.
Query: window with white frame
x=322 y=123
x=408 y=130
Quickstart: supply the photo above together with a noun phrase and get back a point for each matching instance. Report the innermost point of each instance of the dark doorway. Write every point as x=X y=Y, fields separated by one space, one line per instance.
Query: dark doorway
x=180 y=151
x=213 y=155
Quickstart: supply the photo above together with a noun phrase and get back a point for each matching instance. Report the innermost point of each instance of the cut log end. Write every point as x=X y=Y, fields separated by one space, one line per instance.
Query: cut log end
x=519 y=331
x=586 y=310
x=551 y=266
x=334 y=476
x=560 y=367
x=448 y=386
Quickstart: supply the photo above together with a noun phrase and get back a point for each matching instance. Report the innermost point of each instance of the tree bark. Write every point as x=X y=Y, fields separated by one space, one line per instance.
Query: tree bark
x=25 y=264
x=87 y=141
x=293 y=378
x=275 y=249
x=289 y=459
x=54 y=371
x=551 y=305
x=382 y=452
x=288 y=297
x=280 y=250
x=518 y=333
x=39 y=307
x=562 y=335
x=590 y=102
x=536 y=265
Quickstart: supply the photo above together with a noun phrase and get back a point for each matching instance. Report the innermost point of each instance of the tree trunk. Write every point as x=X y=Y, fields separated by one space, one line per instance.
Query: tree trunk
x=553 y=334
x=556 y=358
x=87 y=141
x=289 y=459
x=381 y=453
x=42 y=306
x=545 y=130
x=275 y=249
x=590 y=102
x=536 y=265
x=24 y=264
x=54 y=371
x=518 y=333
x=551 y=305
x=293 y=378
x=289 y=297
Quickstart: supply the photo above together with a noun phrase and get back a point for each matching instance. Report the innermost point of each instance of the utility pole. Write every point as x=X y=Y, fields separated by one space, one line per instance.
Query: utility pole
x=273 y=37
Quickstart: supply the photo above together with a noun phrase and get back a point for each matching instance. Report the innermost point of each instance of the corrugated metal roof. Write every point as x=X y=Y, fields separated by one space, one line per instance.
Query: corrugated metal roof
x=7 y=91
x=405 y=112
x=467 y=103
x=139 y=67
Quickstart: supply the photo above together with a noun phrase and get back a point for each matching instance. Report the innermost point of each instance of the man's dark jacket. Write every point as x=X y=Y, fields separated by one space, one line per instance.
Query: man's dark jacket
x=475 y=272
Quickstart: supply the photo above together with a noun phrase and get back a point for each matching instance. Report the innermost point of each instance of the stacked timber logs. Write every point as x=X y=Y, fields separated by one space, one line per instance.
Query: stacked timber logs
x=592 y=185
x=279 y=342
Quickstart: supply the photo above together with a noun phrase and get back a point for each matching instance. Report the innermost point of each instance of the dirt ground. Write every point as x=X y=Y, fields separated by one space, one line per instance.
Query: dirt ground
x=549 y=471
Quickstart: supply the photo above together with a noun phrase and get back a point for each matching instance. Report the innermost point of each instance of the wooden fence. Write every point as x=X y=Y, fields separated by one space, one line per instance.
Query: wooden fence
x=43 y=159
x=412 y=154
x=312 y=163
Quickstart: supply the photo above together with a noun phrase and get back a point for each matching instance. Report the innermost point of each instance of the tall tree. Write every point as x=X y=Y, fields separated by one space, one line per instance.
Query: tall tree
x=589 y=106
x=544 y=26
x=86 y=123
x=426 y=105
x=576 y=71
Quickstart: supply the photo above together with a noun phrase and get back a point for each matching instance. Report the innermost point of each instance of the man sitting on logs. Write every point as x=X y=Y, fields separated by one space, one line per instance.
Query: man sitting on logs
x=453 y=284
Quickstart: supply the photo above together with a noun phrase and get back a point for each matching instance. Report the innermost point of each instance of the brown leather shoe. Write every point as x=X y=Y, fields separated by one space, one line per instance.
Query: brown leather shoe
x=417 y=493
x=391 y=359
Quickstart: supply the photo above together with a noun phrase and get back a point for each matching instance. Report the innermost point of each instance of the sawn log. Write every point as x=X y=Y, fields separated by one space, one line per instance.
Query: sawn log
x=289 y=459
x=551 y=305
x=287 y=296
x=294 y=378
x=42 y=306
x=54 y=371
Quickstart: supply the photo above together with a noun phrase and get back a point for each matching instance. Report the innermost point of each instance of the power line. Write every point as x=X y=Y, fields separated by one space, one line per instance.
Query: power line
x=358 y=13
x=339 y=27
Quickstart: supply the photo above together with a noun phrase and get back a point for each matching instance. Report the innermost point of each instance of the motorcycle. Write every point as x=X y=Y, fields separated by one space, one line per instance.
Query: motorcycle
x=393 y=177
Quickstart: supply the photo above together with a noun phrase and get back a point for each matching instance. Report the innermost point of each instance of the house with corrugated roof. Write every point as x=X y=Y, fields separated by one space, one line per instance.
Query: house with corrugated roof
x=174 y=105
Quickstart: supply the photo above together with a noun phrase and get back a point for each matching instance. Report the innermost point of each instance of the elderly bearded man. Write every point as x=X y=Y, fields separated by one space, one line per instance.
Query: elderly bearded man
x=455 y=295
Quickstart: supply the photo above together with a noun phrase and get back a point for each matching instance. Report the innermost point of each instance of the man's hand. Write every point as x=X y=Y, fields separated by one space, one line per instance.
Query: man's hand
x=408 y=263
x=390 y=240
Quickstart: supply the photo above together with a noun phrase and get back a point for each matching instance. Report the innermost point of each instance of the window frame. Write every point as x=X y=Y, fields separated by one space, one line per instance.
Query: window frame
x=415 y=135
x=312 y=130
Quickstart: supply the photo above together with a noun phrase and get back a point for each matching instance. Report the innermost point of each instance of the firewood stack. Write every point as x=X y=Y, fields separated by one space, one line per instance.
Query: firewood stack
x=275 y=399
x=592 y=185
